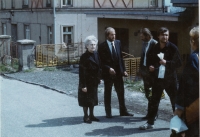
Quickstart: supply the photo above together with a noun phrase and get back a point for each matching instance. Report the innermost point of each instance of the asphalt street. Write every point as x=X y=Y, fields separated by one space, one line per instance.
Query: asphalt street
x=33 y=111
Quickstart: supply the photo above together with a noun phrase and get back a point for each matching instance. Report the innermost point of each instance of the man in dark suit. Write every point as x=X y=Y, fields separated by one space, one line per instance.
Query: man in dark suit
x=166 y=79
x=113 y=70
x=148 y=44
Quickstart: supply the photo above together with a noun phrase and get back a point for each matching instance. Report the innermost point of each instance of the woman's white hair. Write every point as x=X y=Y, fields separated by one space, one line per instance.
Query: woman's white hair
x=90 y=38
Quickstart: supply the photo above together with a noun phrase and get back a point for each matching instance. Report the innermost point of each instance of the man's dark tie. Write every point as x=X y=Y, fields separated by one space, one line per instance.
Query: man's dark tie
x=114 y=54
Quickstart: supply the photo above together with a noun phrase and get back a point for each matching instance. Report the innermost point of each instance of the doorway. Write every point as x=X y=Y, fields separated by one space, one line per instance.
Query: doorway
x=122 y=34
x=14 y=32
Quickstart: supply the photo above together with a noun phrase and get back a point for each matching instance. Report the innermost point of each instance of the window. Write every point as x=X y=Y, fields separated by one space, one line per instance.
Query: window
x=153 y=3
x=4 y=28
x=13 y=4
x=49 y=33
x=67 y=34
x=66 y=2
x=48 y=3
x=3 y=4
x=27 y=32
x=25 y=4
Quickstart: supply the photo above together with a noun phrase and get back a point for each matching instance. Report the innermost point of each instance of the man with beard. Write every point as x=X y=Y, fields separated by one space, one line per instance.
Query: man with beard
x=113 y=70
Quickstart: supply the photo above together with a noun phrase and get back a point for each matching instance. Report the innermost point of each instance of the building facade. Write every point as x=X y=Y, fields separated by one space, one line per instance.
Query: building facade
x=73 y=20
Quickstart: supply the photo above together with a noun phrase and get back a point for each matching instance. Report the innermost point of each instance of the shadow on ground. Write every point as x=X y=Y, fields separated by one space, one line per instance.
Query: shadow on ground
x=79 y=120
x=119 y=131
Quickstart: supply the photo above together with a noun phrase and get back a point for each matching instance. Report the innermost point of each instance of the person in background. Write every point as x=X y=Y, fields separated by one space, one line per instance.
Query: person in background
x=189 y=86
x=113 y=70
x=89 y=78
x=148 y=44
x=168 y=81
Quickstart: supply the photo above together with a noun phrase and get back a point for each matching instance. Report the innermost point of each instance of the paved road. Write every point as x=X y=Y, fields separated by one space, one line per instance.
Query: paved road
x=33 y=111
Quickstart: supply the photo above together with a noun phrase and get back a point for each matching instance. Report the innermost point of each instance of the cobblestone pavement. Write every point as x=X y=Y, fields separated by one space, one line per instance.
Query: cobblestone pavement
x=66 y=81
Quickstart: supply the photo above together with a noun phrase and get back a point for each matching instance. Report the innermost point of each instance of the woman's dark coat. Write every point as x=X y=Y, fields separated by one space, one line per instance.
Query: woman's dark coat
x=189 y=83
x=89 y=77
x=189 y=89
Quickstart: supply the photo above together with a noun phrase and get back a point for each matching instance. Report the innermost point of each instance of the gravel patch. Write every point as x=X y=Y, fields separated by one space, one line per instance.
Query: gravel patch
x=65 y=80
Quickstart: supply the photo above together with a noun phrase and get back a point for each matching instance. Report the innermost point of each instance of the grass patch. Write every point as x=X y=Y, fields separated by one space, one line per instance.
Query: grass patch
x=134 y=85
x=49 y=69
x=29 y=70
x=6 y=69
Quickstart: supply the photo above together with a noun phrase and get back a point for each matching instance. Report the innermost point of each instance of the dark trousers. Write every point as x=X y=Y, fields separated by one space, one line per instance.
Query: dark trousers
x=156 y=96
x=119 y=87
x=147 y=80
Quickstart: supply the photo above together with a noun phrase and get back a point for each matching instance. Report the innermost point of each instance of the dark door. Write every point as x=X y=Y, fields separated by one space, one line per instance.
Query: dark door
x=14 y=32
x=122 y=34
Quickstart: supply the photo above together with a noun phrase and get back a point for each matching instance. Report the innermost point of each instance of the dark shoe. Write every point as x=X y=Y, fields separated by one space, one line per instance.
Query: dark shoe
x=126 y=114
x=93 y=118
x=108 y=116
x=87 y=120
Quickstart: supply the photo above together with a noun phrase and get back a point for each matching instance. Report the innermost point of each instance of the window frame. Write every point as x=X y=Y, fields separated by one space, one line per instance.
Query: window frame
x=3 y=4
x=67 y=33
x=49 y=35
x=48 y=3
x=13 y=4
x=4 y=29
x=25 y=32
x=66 y=5
x=25 y=3
x=151 y=5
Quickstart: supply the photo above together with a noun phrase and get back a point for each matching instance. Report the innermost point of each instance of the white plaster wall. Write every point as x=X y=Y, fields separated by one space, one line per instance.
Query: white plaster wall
x=82 y=26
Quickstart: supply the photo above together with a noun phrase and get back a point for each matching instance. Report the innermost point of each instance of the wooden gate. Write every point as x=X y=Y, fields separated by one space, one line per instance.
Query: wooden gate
x=48 y=55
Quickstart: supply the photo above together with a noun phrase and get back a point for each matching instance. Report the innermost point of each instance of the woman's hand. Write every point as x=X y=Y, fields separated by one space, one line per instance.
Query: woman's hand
x=84 y=89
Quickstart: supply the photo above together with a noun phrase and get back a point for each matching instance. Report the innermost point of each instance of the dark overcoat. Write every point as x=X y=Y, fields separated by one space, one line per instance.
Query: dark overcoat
x=173 y=61
x=89 y=77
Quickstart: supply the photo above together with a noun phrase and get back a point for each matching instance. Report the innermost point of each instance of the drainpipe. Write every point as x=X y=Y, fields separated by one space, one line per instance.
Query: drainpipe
x=54 y=21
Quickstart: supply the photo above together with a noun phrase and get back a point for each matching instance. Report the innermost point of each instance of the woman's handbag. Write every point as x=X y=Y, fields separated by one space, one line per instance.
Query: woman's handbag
x=192 y=112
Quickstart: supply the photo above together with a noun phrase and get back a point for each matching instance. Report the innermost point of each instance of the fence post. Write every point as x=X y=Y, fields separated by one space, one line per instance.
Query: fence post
x=4 y=46
x=25 y=50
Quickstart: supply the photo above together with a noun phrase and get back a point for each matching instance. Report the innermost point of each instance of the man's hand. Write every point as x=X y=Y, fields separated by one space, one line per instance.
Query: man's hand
x=162 y=62
x=151 y=68
x=178 y=112
x=112 y=71
x=84 y=89
x=125 y=74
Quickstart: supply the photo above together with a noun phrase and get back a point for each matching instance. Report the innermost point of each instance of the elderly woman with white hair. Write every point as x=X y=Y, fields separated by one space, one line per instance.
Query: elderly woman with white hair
x=89 y=78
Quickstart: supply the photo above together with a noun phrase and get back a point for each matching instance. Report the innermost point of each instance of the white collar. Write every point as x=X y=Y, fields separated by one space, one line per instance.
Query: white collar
x=109 y=42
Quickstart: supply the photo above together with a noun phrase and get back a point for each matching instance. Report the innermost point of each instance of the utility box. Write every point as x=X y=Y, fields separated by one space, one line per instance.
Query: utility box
x=25 y=52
